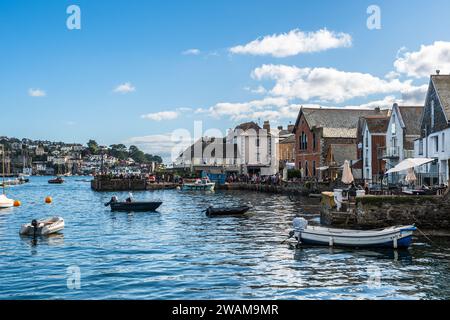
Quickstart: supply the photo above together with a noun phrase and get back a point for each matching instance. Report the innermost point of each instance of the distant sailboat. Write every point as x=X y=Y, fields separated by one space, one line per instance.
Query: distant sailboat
x=5 y=202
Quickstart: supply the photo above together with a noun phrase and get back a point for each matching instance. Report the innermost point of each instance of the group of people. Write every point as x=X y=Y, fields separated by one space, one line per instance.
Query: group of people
x=254 y=179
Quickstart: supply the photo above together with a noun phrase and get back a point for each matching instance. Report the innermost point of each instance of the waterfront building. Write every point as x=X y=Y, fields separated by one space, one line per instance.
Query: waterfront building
x=373 y=138
x=317 y=128
x=210 y=154
x=434 y=141
x=286 y=146
x=403 y=129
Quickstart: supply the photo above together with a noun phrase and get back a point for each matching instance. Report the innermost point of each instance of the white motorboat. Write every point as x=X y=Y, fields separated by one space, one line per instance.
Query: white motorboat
x=5 y=202
x=392 y=237
x=43 y=227
x=200 y=184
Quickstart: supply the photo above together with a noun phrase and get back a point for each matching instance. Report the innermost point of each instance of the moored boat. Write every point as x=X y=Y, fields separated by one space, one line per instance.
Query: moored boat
x=199 y=185
x=392 y=237
x=229 y=211
x=43 y=227
x=133 y=206
x=5 y=202
x=57 y=180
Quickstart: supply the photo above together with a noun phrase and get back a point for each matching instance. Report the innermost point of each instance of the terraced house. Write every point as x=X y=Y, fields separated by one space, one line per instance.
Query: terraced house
x=403 y=130
x=434 y=141
x=317 y=129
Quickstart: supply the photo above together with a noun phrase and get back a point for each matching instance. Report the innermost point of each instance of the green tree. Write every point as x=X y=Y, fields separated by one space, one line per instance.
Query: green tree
x=136 y=154
x=119 y=151
x=93 y=146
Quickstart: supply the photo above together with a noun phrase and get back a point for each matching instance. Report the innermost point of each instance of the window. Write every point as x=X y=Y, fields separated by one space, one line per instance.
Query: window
x=420 y=147
x=443 y=142
x=367 y=138
x=303 y=141
x=314 y=142
x=432 y=114
x=436 y=143
x=306 y=169
x=394 y=126
x=314 y=168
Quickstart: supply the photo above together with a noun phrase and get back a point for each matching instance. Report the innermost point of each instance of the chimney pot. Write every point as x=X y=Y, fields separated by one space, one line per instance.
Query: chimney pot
x=438 y=72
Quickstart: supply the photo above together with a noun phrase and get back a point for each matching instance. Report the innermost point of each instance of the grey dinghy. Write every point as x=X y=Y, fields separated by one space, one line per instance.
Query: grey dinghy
x=392 y=237
x=42 y=228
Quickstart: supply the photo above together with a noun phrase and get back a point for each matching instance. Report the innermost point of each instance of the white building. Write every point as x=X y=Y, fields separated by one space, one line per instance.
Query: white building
x=403 y=130
x=435 y=132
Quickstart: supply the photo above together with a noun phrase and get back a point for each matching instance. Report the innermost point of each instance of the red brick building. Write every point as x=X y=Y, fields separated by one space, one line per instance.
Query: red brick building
x=316 y=129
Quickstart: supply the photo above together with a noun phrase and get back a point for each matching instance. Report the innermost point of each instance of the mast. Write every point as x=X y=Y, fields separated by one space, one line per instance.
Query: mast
x=3 y=166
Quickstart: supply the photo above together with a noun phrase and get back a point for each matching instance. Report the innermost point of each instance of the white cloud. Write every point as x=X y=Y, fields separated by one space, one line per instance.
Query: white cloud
x=194 y=52
x=36 y=93
x=159 y=116
x=426 y=61
x=125 y=88
x=237 y=110
x=294 y=42
x=326 y=84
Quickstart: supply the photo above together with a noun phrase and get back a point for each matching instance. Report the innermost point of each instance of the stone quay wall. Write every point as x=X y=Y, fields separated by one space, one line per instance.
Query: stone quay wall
x=101 y=184
x=303 y=189
x=426 y=212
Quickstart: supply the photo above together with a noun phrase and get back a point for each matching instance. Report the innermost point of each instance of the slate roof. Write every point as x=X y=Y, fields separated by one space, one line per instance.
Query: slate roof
x=442 y=86
x=342 y=152
x=377 y=124
x=290 y=139
x=337 y=122
x=411 y=119
x=248 y=125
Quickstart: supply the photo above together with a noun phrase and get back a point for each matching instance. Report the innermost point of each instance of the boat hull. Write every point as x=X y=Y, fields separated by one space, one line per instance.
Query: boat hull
x=199 y=187
x=5 y=202
x=227 y=211
x=44 y=228
x=135 y=206
x=399 y=237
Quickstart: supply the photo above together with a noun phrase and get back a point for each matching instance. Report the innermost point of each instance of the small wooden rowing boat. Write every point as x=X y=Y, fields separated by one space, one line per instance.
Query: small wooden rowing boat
x=57 y=180
x=42 y=228
x=227 y=211
x=393 y=237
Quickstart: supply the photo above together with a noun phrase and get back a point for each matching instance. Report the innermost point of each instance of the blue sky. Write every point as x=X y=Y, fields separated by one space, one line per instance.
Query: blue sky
x=60 y=84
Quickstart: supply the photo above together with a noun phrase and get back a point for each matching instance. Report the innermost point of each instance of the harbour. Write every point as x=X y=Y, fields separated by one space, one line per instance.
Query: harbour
x=179 y=252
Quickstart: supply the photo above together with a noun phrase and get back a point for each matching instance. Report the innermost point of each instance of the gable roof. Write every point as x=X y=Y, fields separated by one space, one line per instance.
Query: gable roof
x=410 y=119
x=336 y=122
x=377 y=124
x=442 y=86
x=248 y=125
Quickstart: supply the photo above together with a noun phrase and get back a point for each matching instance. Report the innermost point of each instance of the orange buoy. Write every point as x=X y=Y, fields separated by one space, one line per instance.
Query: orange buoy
x=17 y=203
x=48 y=200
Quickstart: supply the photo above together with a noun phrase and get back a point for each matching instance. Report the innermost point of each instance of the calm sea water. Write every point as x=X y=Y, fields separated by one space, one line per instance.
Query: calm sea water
x=179 y=253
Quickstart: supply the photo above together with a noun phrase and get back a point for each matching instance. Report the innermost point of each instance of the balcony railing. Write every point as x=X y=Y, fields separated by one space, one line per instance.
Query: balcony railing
x=394 y=153
x=389 y=153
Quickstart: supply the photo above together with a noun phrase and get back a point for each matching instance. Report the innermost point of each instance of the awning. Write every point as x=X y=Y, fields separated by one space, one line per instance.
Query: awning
x=409 y=163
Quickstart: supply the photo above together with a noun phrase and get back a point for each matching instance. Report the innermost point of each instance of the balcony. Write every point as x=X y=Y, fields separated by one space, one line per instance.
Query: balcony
x=389 y=153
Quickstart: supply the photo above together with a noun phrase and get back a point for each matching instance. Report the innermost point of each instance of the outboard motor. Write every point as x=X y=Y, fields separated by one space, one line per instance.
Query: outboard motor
x=300 y=224
x=34 y=223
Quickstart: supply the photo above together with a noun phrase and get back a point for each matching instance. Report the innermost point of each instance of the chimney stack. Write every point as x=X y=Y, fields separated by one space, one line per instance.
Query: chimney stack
x=438 y=72
x=291 y=128
x=280 y=128
x=377 y=109
x=266 y=126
